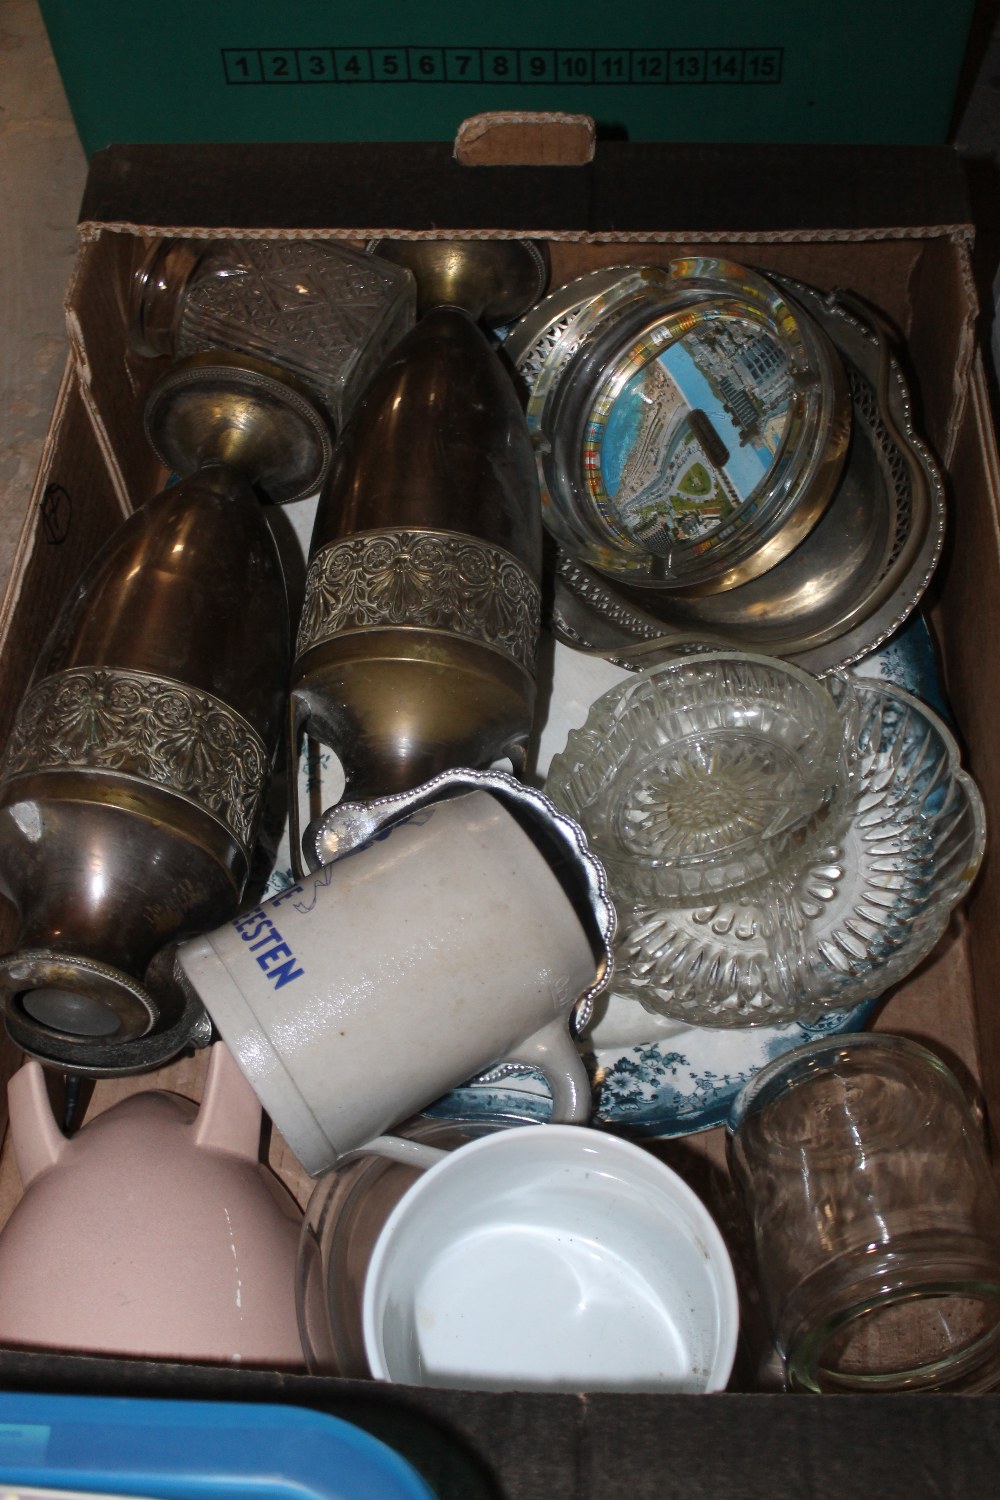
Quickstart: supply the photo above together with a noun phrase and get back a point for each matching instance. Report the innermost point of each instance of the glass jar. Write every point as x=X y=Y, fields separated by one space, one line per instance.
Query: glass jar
x=876 y=1219
x=321 y=311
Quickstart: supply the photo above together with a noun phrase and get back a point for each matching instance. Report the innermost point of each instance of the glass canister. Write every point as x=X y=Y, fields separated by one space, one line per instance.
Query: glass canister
x=324 y=312
x=876 y=1218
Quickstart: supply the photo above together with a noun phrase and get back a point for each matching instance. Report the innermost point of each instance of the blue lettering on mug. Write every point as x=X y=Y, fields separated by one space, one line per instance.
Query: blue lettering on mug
x=285 y=974
x=260 y=933
x=280 y=974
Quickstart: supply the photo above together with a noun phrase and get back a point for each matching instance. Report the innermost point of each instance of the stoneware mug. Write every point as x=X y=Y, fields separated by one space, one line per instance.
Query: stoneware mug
x=468 y=932
x=550 y=1258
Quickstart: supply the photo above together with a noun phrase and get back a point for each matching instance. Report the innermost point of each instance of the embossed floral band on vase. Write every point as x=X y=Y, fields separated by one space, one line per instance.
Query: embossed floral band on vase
x=417 y=640
x=132 y=784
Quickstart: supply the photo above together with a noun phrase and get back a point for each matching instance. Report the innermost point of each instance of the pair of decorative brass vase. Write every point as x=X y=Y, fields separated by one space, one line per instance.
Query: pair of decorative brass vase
x=132 y=785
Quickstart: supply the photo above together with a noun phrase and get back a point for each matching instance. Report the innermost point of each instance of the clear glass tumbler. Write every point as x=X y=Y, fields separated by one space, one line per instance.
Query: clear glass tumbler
x=876 y=1218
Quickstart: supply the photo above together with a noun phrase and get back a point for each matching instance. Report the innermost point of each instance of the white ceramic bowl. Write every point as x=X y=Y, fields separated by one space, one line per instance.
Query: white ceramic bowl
x=551 y=1258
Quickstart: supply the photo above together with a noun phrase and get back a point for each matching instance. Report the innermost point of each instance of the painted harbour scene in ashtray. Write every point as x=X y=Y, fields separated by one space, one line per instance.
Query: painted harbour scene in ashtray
x=691 y=435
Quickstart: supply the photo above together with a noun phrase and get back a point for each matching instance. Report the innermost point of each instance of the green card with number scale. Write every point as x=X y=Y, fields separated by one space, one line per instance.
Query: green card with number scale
x=862 y=71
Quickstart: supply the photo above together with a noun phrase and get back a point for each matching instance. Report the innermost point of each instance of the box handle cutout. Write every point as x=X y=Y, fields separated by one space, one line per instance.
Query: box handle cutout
x=525 y=138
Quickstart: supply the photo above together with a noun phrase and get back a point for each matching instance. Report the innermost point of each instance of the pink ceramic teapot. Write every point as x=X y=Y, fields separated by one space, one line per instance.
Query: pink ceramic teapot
x=154 y=1232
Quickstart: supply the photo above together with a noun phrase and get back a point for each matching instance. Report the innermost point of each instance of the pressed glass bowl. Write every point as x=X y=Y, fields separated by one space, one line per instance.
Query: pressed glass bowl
x=703 y=773
x=851 y=918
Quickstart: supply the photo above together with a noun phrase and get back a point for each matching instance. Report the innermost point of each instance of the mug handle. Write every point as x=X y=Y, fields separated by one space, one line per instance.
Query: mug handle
x=552 y=1051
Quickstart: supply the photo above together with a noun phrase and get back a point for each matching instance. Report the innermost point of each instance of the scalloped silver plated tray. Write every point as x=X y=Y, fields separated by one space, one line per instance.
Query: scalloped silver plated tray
x=690 y=421
x=854 y=579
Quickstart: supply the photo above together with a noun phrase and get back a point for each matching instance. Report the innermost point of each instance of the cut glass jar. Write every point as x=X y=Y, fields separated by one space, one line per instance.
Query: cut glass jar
x=321 y=311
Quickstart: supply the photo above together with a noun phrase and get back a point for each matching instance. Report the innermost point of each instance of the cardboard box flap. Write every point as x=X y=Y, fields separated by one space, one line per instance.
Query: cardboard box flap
x=656 y=187
x=515 y=1446
x=512 y=138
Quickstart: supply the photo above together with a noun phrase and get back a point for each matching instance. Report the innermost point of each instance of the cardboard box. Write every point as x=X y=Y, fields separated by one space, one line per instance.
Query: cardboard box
x=254 y=70
x=893 y=226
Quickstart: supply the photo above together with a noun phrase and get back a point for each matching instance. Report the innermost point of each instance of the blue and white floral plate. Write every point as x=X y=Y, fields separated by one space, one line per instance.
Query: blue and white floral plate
x=651 y=1076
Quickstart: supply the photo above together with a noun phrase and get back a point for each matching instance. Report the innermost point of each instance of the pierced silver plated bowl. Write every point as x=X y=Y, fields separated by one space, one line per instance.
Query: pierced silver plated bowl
x=690 y=421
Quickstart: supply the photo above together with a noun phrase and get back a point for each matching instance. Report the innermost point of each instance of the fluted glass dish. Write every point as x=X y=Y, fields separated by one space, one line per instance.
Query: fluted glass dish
x=843 y=924
x=703 y=773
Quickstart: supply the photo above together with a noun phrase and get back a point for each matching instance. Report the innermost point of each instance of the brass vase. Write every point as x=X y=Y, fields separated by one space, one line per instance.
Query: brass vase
x=131 y=786
x=417 y=640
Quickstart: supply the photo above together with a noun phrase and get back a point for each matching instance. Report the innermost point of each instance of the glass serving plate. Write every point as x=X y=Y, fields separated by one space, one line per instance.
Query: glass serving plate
x=690 y=420
x=703 y=773
x=843 y=924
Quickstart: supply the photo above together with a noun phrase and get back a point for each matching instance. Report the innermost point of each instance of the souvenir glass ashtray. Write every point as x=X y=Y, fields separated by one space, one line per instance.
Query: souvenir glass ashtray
x=848 y=585
x=846 y=921
x=703 y=773
x=691 y=422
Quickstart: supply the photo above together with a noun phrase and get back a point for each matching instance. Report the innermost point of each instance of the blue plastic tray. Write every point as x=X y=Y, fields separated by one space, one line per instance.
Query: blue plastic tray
x=194 y=1450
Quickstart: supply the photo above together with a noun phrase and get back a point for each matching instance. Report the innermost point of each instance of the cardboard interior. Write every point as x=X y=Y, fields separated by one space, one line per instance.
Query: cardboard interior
x=98 y=465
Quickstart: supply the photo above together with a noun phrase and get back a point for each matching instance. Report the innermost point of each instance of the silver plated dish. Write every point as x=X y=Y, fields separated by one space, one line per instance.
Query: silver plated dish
x=848 y=586
x=690 y=420
x=542 y=342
